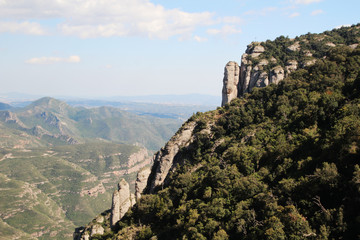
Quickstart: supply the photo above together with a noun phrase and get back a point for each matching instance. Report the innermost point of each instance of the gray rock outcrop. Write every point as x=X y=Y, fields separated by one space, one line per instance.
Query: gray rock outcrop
x=291 y=66
x=141 y=182
x=97 y=229
x=231 y=81
x=277 y=74
x=255 y=72
x=165 y=159
x=121 y=202
x=294 y=47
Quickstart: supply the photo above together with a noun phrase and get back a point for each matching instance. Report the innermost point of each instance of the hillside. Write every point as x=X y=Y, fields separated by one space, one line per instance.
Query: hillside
x=59 y=164
x=57 y=188
x=5 y=106
x=281 y=162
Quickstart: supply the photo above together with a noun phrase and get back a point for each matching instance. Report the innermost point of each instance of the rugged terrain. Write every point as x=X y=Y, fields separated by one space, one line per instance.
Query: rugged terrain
x=279 y=160
x=60 y=164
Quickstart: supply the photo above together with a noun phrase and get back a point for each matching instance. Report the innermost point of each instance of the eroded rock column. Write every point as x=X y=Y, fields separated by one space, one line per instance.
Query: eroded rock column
x=121 y=202
x=230 y=82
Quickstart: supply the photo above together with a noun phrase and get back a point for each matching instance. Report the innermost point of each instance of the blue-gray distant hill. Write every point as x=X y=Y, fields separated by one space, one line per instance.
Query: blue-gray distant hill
x=5 y=106
x=50 y=121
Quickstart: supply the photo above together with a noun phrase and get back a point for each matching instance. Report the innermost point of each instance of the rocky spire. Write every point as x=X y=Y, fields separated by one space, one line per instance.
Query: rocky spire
x=121 y=202
x=231 y=81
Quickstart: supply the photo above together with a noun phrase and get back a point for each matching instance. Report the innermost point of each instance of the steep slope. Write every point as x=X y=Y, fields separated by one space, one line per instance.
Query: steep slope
x=279 y=163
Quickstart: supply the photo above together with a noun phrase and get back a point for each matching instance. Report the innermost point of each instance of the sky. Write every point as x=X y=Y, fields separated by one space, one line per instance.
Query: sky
x=102 y=48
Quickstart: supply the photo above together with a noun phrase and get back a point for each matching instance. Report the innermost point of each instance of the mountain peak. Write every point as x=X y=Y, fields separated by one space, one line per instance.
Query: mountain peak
x=49 y=104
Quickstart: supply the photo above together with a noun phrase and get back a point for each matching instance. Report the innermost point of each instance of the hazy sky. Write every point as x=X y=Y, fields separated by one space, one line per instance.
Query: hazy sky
x=141 y=47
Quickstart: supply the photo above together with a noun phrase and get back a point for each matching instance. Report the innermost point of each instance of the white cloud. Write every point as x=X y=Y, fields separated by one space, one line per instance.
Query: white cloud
x=26 y=27
x=295 y=14
x=50 y=60
x=317 y=12
x=225 y=30
x=107 y=18
x=200 y=39
x=306 y=1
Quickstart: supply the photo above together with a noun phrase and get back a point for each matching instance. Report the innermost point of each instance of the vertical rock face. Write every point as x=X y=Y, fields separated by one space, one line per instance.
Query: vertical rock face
x=231 y=81
x=141 y=182
x=121 y=202
x=252 y=76
x=165 y=158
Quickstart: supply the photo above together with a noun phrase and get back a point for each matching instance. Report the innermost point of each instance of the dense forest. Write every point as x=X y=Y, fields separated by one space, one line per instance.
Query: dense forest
x=279 y=163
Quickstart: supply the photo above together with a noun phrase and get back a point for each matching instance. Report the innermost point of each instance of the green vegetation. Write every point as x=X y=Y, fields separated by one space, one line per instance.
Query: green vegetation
x=280 y=163
x=59 y=165
x=317 y=45
x=46 y=192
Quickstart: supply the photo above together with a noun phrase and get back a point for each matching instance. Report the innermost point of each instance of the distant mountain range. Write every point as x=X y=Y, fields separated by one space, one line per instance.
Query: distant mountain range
x=49 y=121
x=19 y=99
x=59 y=164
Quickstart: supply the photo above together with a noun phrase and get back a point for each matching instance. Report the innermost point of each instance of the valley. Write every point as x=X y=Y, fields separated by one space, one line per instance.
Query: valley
x=60 y=164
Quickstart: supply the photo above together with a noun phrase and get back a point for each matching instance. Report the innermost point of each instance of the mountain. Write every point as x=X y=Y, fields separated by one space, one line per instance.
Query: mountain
x=173 y=99
x=59 y=164
x=5 y=106
x=280 y=160
x=49 y=121
x=161 y=110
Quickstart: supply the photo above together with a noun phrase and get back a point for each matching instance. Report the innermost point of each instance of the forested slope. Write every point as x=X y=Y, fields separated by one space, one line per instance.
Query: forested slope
x=279 y=163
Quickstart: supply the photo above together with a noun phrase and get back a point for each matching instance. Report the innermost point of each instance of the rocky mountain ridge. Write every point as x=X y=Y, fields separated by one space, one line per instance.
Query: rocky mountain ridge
x=265 y=165
x=259 y=67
